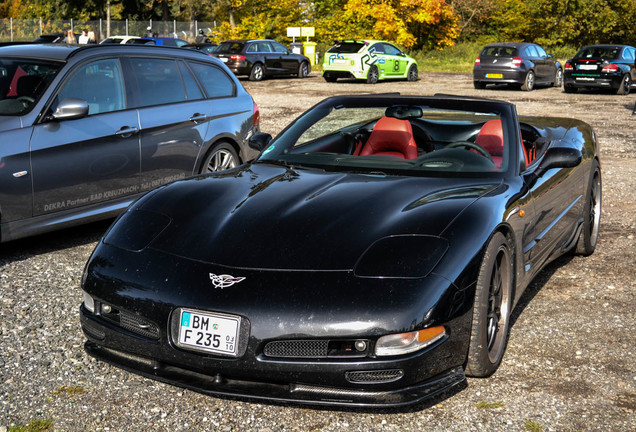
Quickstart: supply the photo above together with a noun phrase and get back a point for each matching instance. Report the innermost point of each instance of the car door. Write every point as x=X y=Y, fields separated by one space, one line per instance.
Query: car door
x=557 y=208
x=545 y=64
x=532 y=55
x=272 y=59
x=173 y=117
x=288 y=61
x=396 y=62
x=91 y=159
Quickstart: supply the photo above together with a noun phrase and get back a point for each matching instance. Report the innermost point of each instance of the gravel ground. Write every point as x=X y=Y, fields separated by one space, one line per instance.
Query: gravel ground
x=569 y=365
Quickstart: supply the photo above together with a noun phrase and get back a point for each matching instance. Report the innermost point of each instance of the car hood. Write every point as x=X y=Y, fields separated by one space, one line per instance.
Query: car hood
x=264 y=216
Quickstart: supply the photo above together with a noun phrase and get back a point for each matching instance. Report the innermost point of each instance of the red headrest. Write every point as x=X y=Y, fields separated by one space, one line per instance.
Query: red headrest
x=393 y=137
x=490 y=137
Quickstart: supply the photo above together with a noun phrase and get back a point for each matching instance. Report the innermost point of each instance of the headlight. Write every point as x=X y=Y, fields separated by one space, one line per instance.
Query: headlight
x=89 y=303
x=404 y=343
x=136 y=228
x=402 y=256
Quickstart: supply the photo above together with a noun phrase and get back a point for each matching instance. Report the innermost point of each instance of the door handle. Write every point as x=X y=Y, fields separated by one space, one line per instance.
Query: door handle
x=198 y=118
x=126 y=131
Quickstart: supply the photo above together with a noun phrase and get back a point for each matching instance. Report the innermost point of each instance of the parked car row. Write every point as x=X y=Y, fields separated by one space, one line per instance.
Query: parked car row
x=527 y=65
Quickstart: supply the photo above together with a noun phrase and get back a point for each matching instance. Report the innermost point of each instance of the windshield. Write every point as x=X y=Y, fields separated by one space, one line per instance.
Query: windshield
x=598 y=52
x=22 y=83
x=398 y=135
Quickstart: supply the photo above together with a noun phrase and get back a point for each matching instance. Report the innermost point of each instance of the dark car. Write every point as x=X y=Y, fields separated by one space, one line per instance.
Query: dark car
x=260 y=58
x=372 y=255
x=87 y=129
x=207 y=48
x=525 y=65
x=602 y=67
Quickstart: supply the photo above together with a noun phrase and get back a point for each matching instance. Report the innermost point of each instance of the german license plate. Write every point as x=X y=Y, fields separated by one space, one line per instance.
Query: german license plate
x=587 y=67
x=223 y=59
x=208 y=332
x=493 y=75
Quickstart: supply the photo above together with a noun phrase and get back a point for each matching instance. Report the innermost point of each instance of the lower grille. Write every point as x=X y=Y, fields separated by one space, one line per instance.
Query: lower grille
x=297 y=349
x=374 y=377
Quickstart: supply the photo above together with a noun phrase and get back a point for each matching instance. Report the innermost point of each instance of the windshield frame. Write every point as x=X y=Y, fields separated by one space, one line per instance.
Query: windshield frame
x=279 y=149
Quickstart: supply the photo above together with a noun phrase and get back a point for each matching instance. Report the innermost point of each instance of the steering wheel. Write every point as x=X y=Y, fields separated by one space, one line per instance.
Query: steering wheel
x=26 y=100
x=471 y=146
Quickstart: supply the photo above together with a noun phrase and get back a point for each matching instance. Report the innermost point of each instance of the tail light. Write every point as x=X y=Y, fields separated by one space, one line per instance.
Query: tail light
x=610 y=68
x=477 y=61
x=568 y=66
x=256 y=116
x=516 y=61
x=237 y=57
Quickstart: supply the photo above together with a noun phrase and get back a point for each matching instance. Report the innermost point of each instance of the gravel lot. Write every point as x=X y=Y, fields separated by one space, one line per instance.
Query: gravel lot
x=569 y=365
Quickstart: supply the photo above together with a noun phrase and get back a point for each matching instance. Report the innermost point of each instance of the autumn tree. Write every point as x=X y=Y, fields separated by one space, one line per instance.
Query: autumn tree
x=409 y=23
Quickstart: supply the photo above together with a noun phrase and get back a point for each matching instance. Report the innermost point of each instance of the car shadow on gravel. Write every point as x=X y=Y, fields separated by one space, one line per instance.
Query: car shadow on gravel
x=537 y=284
x=25 y=248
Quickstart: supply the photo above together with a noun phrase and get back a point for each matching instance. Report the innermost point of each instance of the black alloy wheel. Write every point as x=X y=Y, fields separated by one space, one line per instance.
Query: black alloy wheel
x=413 y=73
x=591 y=214
x=626 y=83
x=373 y=75
x=492 y=308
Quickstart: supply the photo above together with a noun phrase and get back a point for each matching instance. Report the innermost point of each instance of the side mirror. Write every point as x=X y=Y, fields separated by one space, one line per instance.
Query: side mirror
x=558 y=157
x=70 y=108
x=259 y=141
x=550 y=56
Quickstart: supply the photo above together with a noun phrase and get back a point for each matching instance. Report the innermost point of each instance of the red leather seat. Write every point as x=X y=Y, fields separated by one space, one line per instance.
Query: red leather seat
x=391 y=137
x=490 y=138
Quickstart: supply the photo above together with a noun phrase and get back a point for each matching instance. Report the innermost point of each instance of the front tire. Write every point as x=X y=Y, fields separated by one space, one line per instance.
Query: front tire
x=303 y=70
x=591 y=214
x=492 y=308
x=528 y=83
x=373 y=75
x=413 y=74
x=624 y=88
x=221 y=157
x=257 y=73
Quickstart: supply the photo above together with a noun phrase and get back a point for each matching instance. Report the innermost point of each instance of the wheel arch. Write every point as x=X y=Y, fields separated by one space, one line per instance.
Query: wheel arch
x=211 y=144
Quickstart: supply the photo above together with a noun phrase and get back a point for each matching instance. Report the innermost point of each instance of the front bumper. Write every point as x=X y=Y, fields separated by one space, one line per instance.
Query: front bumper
x=145 y=289
x=217 y=384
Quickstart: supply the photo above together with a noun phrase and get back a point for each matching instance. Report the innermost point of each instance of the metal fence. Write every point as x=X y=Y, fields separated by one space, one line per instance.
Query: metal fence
x=25 y=30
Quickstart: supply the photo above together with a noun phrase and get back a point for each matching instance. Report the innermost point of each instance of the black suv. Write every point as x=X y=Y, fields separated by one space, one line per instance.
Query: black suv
x=524 y=65
x=260 y=58
x=87 y=129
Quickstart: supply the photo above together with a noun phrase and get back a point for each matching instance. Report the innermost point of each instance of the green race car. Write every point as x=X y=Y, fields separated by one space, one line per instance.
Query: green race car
x=369 y=60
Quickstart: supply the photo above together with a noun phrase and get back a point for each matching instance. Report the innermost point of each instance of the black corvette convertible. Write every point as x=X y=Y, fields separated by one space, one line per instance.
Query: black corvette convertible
x=370 y=256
